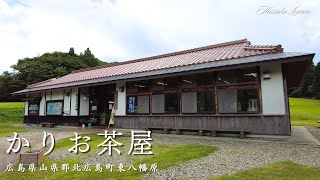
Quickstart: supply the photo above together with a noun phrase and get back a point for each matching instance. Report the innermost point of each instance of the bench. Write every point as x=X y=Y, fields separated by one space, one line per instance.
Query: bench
x=242 y=132
x=50 y=125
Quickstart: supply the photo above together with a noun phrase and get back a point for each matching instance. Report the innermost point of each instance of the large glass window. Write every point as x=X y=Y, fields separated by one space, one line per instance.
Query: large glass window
x=138 y=104
x=205 y=79
x=227 y=100
x=233 y=77
x=234 y=100
x=138 y=86
x=246 y=75
x=247 y=100
x=229 y=91
x=165 y=84
x=165 y=103
x=205 y=102
x=198 y=102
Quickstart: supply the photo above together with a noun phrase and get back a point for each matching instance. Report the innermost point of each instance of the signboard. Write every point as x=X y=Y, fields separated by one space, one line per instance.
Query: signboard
x=131 y=104
x=33 y=109
x=54 y=108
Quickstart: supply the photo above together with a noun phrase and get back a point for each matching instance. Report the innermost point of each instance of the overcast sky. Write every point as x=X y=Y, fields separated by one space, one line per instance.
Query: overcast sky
x=117 y=30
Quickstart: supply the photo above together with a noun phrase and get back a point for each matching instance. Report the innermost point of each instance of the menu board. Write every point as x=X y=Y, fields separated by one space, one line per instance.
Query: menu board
x=33 y=109
x=54 y=108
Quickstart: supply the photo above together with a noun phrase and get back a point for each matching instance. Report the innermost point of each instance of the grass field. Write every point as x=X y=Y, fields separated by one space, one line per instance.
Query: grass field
x=165 y=156
x=11 y=112
x=282 y=170
x=304 y=112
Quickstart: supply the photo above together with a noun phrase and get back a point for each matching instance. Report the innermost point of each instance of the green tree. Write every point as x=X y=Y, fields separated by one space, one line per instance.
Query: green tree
x=71 y=51
x=316 y=81
x=40 y=68
x=305 y=88
x=89 y=58
x=9 y=82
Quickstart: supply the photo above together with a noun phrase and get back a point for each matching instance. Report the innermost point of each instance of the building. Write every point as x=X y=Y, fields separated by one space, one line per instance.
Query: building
x=227 y=86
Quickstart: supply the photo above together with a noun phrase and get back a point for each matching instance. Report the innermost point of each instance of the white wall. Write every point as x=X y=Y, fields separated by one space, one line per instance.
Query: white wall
x=57 y=95
x=273 y=102
x=84 y=102
x=73 y=98
x=42 y=106
x=121 y=99
x=66 y=102
x=26 y=108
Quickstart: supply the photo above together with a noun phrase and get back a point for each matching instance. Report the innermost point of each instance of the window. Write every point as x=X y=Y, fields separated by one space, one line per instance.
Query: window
x=165 y=84
x=138 y=86
x=238 y=100
x=232 y=77
x=205 y=102
x=229 y=91
x=198 y=102
x=165 y=103
x=237 y=91
x=226 y=77
x=247 y=100
x=138 y=104
x=246 y=75
x=205 y=79
x=227 y=100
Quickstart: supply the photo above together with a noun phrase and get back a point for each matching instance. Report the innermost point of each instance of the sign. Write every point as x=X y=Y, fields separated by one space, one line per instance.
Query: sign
x=131 y=104
x=33 y=109
x=54 y=108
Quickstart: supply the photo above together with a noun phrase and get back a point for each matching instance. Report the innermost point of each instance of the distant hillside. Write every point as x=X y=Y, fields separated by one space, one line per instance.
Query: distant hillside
x=40 y=68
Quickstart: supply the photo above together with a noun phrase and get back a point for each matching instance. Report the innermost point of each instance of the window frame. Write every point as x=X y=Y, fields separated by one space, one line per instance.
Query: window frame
x=214 y=88
x=167 y=92
x=243 y=85
x=136 y=95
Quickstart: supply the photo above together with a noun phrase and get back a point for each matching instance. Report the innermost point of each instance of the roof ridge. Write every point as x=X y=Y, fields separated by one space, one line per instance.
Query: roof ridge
x=274 y=48
x=38 y=83
x=165 y=55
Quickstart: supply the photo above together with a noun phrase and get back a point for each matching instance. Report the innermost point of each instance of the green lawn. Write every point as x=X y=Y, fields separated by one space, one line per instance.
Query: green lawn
x=7 y=130
x=304 y=112
x=165 y=156
x=282 y=170
x=11 y=112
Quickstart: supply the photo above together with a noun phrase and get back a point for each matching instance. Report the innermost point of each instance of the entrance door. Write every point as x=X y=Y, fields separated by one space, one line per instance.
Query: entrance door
x=102 y=98
x=33 y=111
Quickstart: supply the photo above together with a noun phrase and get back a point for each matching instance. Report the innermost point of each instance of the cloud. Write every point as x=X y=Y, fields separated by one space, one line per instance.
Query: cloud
x=123 y=30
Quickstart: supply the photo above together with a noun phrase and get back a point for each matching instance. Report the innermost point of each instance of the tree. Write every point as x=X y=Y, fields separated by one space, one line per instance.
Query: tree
x=305 y=88
x=9 y=82
x=316 y=81
x=89 y=58
x=71 y=51
x=40 y=68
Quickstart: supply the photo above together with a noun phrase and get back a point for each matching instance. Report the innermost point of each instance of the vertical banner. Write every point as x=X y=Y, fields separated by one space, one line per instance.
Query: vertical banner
x=111 y=121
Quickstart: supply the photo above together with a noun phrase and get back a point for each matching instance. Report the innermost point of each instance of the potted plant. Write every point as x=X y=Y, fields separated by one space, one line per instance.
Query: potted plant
x=83 y=122
x=31 y=156
x=92 y=120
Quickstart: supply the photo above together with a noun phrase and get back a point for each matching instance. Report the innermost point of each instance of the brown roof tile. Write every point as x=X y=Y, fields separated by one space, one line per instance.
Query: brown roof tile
x=217 y=52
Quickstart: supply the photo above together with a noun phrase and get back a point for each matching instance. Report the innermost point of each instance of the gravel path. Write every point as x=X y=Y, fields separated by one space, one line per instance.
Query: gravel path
x=314 y=131
x=233 y=155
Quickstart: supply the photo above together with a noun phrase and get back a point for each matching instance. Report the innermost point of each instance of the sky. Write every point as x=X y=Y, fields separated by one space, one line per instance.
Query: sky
x=117 y=30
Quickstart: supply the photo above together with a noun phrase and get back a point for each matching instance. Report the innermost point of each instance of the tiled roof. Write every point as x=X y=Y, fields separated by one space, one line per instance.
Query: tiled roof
x=212 y=53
